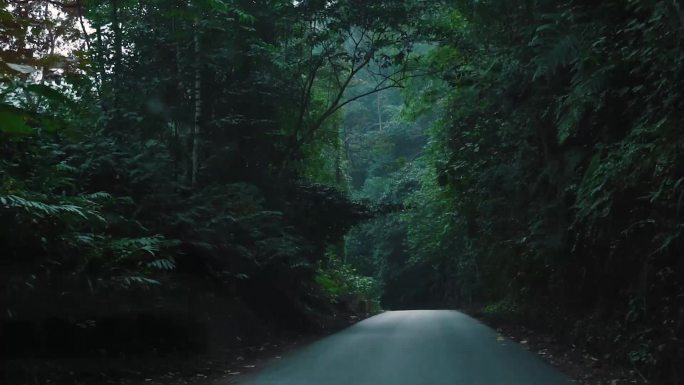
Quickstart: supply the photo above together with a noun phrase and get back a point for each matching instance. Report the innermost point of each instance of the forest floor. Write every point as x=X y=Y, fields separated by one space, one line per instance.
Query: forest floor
x=219 y=366
x=206 y=368
x=578 y=364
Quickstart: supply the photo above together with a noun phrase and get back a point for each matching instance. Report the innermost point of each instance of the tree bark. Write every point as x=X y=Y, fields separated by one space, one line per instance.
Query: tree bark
x=379 y=112
x=198 y=108
x=118 y=51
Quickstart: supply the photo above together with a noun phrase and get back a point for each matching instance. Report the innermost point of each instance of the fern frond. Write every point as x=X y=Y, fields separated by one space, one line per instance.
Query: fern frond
x=138 y=280
x=97 y=196
x=129 y=246
x=40 y=209
x=557 y=47
x=162 y=264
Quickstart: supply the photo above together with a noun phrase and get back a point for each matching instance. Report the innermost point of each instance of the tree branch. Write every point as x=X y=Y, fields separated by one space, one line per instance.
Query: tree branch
x=75 y=4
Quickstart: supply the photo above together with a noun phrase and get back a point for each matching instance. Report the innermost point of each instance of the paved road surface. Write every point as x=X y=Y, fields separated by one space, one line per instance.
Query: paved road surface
x=417 y=347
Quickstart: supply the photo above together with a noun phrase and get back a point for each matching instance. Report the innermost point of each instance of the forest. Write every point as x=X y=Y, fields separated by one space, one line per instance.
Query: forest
x=183 y=177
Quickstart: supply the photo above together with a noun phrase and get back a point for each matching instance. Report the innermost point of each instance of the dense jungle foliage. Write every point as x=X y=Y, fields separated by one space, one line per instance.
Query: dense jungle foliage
x=217 y=169
x=166 y=159
x=550 y=187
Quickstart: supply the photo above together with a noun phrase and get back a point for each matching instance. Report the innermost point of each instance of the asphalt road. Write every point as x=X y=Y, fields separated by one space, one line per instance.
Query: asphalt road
x=416 y=347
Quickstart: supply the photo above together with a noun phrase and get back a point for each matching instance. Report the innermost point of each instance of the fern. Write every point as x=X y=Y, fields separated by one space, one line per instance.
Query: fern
x=138 y=280
x=42 y=209
x=557 y=47
x=126 y=247
x=166 y=264
x=98 y=196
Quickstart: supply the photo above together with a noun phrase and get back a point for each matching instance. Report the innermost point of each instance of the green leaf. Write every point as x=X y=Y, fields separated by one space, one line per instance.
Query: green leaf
x=13 y=123
x=162 y=264
x=22 y=68
x=49 y=93
x=6 y=16
x=139 y=280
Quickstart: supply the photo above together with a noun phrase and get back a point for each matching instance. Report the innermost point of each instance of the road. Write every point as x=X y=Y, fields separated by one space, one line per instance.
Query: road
x=416 y=347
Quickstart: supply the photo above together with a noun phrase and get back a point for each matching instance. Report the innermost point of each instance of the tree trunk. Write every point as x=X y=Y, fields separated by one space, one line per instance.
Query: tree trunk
x=198 y=108
x=118 y=51
x=379 y=112
x=179 y=153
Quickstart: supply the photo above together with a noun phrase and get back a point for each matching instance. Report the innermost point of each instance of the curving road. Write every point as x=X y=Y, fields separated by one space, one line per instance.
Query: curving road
x=416 y=347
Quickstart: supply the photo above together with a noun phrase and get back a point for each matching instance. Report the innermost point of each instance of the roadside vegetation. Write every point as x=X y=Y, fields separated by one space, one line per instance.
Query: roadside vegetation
x=177 y=177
